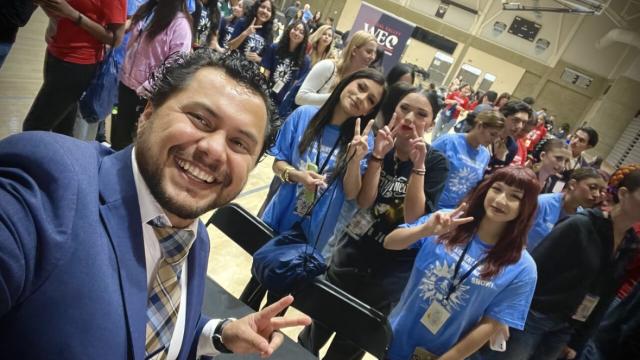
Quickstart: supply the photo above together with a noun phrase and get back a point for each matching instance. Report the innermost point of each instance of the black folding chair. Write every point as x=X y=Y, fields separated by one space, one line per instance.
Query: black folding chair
x=250 y=233
x=354 y=320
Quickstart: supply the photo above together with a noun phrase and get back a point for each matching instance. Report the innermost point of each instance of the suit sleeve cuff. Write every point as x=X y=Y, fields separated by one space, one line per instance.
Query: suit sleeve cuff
x=205 y=345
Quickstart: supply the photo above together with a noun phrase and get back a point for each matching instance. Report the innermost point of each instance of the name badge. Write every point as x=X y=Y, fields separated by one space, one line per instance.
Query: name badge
x=422 y=354
x=584 y=310
x=435 y=317
x=278 y=86
x=360 y=223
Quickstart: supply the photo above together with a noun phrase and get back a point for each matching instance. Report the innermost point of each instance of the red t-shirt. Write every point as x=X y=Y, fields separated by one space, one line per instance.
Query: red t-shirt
x=534 y=137
x=462 y=101
x=73 y=44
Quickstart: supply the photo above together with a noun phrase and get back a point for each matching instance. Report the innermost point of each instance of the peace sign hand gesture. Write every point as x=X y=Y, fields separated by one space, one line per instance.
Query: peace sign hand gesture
x=385 y=139
x=358 y=147
x=252 y=28
x=418 y=152
x=259 y=332
x=441 y=223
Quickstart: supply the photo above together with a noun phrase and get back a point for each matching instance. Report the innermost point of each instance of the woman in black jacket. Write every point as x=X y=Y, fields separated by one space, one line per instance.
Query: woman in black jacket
x=580 y=266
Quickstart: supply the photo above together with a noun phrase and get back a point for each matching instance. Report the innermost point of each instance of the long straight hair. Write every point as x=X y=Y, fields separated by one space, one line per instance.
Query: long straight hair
x=162 y=13
x=301 y=50
x=513 y=239
x=323 y=117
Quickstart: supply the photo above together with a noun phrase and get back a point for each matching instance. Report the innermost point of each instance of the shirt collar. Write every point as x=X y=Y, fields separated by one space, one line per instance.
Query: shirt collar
x=149 y=207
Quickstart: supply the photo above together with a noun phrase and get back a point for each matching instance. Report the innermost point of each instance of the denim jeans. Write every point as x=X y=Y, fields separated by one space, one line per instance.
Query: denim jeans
x=543 y=338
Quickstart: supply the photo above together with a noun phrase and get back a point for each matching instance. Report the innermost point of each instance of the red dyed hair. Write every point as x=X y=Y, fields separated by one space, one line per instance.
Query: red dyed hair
x=513 y=239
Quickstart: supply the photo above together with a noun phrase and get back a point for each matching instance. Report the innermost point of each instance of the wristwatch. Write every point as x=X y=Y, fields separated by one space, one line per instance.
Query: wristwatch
x=216 y=338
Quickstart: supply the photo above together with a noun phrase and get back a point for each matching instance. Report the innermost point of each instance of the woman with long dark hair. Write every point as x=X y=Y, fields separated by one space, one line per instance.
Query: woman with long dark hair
x=472 y=276
x=286 y=62
x=581 y=264
x=253 y=34
x=159 y=29
x=317 y=147
x=403 y=181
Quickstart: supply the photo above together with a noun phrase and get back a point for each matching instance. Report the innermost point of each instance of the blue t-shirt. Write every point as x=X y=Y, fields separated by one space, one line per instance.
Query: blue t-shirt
x=548 y=214
x=283 y=72
x=466 y=167
x=505 y=297
x=256 y=42
x=225 y=31
x=289 y=203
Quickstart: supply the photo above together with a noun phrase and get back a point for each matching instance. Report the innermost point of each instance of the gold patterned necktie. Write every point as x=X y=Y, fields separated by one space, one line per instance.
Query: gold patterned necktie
x=164 y=297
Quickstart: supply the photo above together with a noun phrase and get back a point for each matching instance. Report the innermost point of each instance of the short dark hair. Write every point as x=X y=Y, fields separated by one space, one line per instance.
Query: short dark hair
x=592 y=133
x=514 y=106
x=176 y=73
x=529 y=100
x=491 y=96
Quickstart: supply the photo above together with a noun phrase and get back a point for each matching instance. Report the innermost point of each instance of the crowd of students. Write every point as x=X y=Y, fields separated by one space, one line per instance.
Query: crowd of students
x=436 y=236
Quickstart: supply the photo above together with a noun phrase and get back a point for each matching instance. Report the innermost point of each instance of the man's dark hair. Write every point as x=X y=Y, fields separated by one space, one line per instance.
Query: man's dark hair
x=592 y=133
x=175 y=75
x=491 y=96
x=529 y=100
x=514 y=106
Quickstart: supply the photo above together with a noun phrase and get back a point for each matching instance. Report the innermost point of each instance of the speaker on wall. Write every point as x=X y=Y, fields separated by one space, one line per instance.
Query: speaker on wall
x=434 y=40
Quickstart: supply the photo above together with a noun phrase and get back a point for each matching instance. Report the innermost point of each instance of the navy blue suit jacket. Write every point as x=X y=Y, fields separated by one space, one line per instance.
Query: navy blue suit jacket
x=73 y=283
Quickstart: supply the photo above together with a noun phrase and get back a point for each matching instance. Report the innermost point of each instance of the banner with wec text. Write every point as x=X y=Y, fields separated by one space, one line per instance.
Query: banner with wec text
x=391 y=32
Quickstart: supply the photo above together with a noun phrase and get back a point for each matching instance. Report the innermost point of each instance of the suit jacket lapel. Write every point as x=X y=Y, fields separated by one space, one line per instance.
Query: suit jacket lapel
x=120 y=213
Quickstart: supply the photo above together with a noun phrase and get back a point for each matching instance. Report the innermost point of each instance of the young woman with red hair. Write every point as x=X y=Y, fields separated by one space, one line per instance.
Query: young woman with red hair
x=472 y=276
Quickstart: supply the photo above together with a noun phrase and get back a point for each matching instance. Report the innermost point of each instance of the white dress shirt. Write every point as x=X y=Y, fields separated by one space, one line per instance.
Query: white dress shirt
x=150 y=209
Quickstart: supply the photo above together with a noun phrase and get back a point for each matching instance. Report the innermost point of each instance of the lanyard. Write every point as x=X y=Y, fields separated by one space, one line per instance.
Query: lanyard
x=453 y=286
x=326 y=160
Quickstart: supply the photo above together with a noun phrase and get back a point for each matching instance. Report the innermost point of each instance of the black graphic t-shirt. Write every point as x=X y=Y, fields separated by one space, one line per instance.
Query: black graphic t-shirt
x=361 y=246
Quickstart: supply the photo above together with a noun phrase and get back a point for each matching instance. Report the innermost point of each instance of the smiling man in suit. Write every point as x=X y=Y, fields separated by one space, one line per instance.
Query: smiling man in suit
x=102 y=255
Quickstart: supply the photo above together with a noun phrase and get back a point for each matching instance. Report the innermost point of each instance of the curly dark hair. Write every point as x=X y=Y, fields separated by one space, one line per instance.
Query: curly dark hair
x=175 y=75
x=301 y=50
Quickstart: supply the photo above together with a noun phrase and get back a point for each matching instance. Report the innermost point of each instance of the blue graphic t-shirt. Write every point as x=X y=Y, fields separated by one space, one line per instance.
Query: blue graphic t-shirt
x=256 y=42
x=505 y=297
x=466 y=167
x=225 y=31
x=283 y=72
x=292 y=200
x=548 y=214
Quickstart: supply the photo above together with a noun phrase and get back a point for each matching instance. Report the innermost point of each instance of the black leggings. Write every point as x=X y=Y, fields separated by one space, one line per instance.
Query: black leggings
x=56 y=105
x=124 y=125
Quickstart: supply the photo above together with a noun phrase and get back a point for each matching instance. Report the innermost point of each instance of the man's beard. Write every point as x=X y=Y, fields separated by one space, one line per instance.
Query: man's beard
x=151 y=171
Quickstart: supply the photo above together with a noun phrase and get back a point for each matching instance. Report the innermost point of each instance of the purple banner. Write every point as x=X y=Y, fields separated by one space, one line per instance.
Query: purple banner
x=392 y=33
